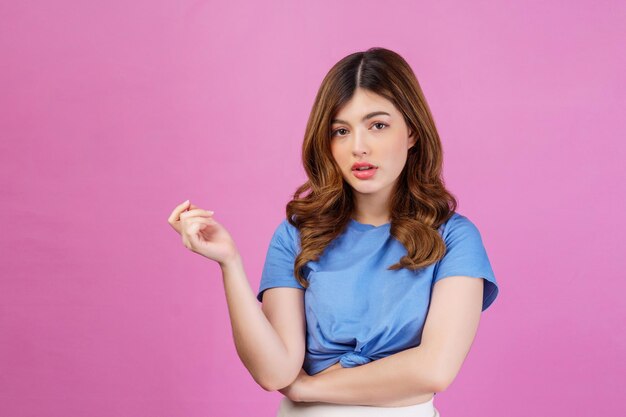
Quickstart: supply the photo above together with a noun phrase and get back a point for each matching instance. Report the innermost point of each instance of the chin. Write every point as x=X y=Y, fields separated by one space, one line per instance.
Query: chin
x=365 y=188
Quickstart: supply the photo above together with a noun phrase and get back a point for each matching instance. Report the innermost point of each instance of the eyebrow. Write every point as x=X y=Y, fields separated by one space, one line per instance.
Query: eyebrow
x=367 y=116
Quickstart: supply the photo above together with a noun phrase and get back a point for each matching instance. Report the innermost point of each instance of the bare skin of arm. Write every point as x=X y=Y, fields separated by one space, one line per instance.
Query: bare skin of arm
x=269 y=340
x=416 y=399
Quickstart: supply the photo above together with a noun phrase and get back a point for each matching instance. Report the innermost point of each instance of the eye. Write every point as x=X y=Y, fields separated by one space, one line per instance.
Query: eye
x=334 y=133
x=383 y=125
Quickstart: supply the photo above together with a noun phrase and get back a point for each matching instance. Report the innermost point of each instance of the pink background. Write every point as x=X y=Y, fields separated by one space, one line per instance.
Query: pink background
x=112 y=113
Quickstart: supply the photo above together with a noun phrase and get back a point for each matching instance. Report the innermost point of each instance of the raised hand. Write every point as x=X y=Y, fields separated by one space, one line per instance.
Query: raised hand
x=202 y=234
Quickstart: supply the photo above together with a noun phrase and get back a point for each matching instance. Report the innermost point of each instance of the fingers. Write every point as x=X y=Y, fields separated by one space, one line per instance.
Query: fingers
x=197 y=225
x=186 y=215
x=196 y=213
x=176 y=212
x=185 y=210
x=190 y=232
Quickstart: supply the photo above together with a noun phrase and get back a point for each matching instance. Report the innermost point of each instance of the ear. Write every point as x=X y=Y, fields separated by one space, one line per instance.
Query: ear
x=412 y=139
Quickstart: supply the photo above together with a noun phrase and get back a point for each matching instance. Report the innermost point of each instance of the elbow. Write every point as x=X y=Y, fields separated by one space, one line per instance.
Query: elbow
x=441 y=380
x=275 y=383
x=271 y=386
x=439 y=385
x=274 y=377
x=268 y=385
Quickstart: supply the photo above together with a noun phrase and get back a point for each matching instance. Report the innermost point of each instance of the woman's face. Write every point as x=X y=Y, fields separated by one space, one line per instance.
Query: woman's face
x=370 y=129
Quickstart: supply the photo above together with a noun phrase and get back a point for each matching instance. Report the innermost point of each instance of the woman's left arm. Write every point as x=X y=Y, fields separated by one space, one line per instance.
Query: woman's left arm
x=449 y=330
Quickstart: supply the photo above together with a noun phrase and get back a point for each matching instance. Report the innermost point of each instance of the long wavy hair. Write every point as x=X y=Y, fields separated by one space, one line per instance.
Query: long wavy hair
x=322 y=207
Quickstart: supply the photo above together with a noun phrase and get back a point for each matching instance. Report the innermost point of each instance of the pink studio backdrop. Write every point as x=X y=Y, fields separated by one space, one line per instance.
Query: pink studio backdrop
x=112 y=113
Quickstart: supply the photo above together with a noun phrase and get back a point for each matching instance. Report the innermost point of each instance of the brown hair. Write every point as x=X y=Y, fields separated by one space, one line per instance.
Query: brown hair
x=322 y=207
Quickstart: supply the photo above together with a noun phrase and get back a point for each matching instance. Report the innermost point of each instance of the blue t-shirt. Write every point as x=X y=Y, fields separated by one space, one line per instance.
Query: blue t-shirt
x=356 y=310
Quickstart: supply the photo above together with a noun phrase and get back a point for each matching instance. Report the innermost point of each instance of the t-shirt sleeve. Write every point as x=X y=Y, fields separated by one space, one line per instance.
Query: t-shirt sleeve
x=466 y=255
x=278 y=268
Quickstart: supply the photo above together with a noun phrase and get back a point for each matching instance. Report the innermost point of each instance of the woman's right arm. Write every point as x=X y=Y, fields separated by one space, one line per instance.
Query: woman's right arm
x=270 y=341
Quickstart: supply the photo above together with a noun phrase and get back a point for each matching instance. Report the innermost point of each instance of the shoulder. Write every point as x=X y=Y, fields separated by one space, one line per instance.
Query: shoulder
x=287 y=229
x=458 y=225
x=287 y=234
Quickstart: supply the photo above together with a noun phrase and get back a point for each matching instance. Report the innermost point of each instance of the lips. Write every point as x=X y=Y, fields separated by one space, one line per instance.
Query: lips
x=358 y=166
x=364 y=170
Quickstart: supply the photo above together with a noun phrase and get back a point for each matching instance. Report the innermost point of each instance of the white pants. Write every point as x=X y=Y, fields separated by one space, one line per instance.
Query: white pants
x=290 y=408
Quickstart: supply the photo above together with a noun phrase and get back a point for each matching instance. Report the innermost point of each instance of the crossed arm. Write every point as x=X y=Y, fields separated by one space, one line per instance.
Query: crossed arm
x=449 y=331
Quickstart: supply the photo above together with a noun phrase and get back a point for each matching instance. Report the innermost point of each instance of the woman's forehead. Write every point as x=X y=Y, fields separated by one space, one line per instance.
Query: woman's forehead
x=363 y=106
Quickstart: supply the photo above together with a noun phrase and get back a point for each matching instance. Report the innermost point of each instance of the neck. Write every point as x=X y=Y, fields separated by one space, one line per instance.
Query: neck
x=371 y=209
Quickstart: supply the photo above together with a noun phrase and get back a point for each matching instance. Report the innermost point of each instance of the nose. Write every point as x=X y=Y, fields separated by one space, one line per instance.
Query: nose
x=359 y=145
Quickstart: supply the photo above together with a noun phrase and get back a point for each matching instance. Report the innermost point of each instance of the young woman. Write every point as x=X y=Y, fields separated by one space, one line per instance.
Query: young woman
x=357 y=318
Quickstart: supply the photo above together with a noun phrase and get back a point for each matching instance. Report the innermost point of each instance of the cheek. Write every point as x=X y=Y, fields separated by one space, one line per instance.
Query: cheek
x=336 y=155
x=397 y=155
